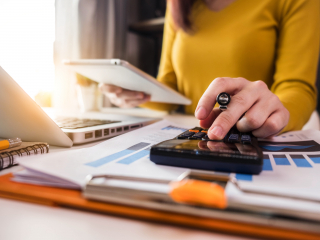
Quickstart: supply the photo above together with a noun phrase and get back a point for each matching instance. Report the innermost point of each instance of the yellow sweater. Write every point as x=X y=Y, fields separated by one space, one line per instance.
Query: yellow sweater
x=276 y=41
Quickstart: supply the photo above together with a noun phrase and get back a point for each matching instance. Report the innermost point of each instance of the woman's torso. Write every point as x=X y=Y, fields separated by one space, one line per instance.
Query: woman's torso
x=238 y=41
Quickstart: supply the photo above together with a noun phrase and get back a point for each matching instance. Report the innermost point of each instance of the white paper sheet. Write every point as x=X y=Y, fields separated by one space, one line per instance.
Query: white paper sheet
x=126 y=155
x=291 y=166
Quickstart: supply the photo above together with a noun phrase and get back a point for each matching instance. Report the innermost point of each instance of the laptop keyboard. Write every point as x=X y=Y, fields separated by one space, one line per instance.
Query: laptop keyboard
x=75 y=123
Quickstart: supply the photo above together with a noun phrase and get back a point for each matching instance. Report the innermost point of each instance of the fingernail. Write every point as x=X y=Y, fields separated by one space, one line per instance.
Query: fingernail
x=200 y=112
x=217 y=131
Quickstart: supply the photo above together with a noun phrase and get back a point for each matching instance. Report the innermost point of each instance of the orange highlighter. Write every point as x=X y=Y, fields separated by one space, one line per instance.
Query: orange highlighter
x=10 y=143
x=199 y=193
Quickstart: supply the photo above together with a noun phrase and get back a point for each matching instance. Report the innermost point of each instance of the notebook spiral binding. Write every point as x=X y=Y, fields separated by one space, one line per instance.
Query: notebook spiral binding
x=43 y=148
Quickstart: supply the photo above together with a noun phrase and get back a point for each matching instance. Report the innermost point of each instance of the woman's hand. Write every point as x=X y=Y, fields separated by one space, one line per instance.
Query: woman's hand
x=122 y=97
x=264 y=114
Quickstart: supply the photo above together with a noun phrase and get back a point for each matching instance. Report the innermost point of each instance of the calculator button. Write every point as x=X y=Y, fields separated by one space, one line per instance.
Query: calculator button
x=226 y=137
x=233 y=138
x=185 y=135
x=245 y=139
x=205 y=130
x=196 y=129
x=205 y=137
x=198 y=135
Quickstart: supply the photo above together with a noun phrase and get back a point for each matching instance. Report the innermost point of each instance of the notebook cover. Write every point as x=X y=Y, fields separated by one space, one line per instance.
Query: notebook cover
x=73 y=199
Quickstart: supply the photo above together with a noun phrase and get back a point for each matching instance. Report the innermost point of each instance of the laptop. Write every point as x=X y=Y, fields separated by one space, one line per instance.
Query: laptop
x=21 y=116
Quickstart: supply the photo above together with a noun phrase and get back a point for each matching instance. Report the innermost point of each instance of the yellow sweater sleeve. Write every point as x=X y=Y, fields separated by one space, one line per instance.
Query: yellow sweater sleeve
x=166 y=74
x=297 y=58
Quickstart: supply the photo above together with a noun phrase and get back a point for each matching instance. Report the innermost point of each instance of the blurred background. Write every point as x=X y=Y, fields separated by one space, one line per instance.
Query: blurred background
x=36 y=35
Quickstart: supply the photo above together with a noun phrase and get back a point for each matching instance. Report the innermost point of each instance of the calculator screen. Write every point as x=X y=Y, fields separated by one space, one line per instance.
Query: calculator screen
x=208 y=147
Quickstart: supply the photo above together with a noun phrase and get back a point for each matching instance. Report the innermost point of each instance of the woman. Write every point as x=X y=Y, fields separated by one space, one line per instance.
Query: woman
x=273 y=41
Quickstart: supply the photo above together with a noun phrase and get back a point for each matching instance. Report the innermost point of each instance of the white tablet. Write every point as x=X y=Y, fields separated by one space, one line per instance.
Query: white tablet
x=125 y=75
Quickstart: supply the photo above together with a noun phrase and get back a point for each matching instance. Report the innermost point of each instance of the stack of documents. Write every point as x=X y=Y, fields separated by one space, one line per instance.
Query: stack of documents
x=126 y=155
x=288 y=185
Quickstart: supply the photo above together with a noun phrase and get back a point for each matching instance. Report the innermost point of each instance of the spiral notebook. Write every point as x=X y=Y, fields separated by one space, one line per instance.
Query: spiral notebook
x=8 y=157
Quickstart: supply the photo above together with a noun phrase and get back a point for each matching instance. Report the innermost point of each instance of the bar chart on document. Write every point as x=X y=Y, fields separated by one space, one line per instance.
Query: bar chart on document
x=138 y=151
x=131 y=158
x=125 y=155
x=291 y=162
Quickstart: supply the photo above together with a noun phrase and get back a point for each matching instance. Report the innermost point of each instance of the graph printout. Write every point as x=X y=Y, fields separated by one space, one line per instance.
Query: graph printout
x=122 y=153
x=126 y=155
x=291 y=166
x=291 y=162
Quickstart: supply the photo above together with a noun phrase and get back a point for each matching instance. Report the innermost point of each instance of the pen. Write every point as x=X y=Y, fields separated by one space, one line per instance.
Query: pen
x=9 y=143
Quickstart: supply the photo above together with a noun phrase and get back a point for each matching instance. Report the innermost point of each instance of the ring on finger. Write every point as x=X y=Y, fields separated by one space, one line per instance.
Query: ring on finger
x=223 y=100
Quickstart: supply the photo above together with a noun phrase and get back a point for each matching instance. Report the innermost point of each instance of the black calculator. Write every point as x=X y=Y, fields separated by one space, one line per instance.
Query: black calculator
x=237 y=152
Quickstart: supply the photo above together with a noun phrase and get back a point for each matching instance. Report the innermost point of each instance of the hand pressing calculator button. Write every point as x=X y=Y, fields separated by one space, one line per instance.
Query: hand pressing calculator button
x=186 y=135
x=237 y=152
x=233 y=138
x=245 y=139
x=198 y=135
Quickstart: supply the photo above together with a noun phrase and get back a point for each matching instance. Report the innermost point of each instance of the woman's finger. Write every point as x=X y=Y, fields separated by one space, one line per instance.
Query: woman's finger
x=130 y=95
x=123 y=97
x=206 y=123
x=208 y=99
x=128 y=103
x=136 y=102
x=273 y=125
x=240 y=103
x=256 y=116
x=108 y=88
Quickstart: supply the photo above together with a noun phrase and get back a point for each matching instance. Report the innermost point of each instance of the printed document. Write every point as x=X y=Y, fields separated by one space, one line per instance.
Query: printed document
x=289 y=183
x=291 y=162
x=291 y=166
x=125 y=155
